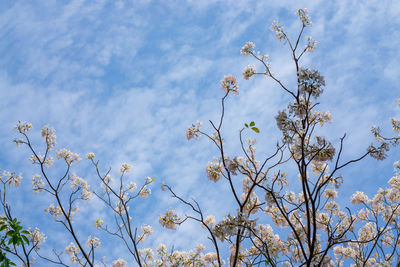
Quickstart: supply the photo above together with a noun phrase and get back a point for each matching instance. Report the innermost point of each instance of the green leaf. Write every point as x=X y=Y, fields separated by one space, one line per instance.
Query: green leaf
x=26 y=239
x=255 y=129
x=252 y=123
x=246 y=125
x=10 y=233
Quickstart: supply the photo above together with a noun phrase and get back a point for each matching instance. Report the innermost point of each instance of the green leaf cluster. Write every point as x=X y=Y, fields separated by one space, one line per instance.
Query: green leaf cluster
x=12 y=234
x=252 y=126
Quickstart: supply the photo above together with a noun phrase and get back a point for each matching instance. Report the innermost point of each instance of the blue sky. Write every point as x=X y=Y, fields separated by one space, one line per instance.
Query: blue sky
x=123 y=79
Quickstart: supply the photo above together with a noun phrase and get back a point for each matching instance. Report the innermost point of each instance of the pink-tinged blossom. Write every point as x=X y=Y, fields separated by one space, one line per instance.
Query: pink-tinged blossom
x=37 y=183
x=210 y=257
x=249 y=71
x=229 y=83
x=73 y=251
x=359 y=198
x=330 y=194
x=253 y=203
x=247 y=48
x=10 y=178
x=345 y=252
x=161 y=250
x=132 y=186
x=56 y=212
x=120 y=208
x=231 y=165
x=278 y=31
x=93 y=242
x=36 y=237
x=394 y=182
x=23 y=127
x=363 y=214
x=169 y=220
x=311 y=44
x=119 y=263
x=146 y=231
x=78 y=183
x=323 y=220
x=68 y=156
x=193 y=131
x=200 y=248
x=367 y=233
x=209 y=221
x=125 y=168
x=150 y=180
x=39 y=159
x=144 y=192
x=90 y=155
x=147 y=254
x=388 y=239
x=214 y=170
x=303 y=15
x=49 y=136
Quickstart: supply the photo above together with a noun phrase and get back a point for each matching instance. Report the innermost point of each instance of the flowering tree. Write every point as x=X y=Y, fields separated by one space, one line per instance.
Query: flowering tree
x=15 y=240
x=308 y=226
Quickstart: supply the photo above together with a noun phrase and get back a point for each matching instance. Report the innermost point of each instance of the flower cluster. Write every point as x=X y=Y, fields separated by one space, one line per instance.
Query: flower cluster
x=170 y=219
x=119 y=263
x=193 y=131
x=72 y=250
x=36 y=237
x=249 y=71
x=303 y=15
x=229 y=84
x=41 y=160
x=90 y=155
x=311 y=44
x=125 y=168
x=146 y=231
x=37 y=183
x=144 y=192
x=209 y=221
x=78 y=183
x=247 y=48
x=49 y=136
x=23 y=127
x=311 y=82
x=233 y=165
x=278 y=29
x=214 y=170
x=68 y=156
x=330 y=194
x=93 y=242
x=131 y=186
x=120 y=207
x=10 y=178
x=359 y=198
x=194 y=257
x=56 y=212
